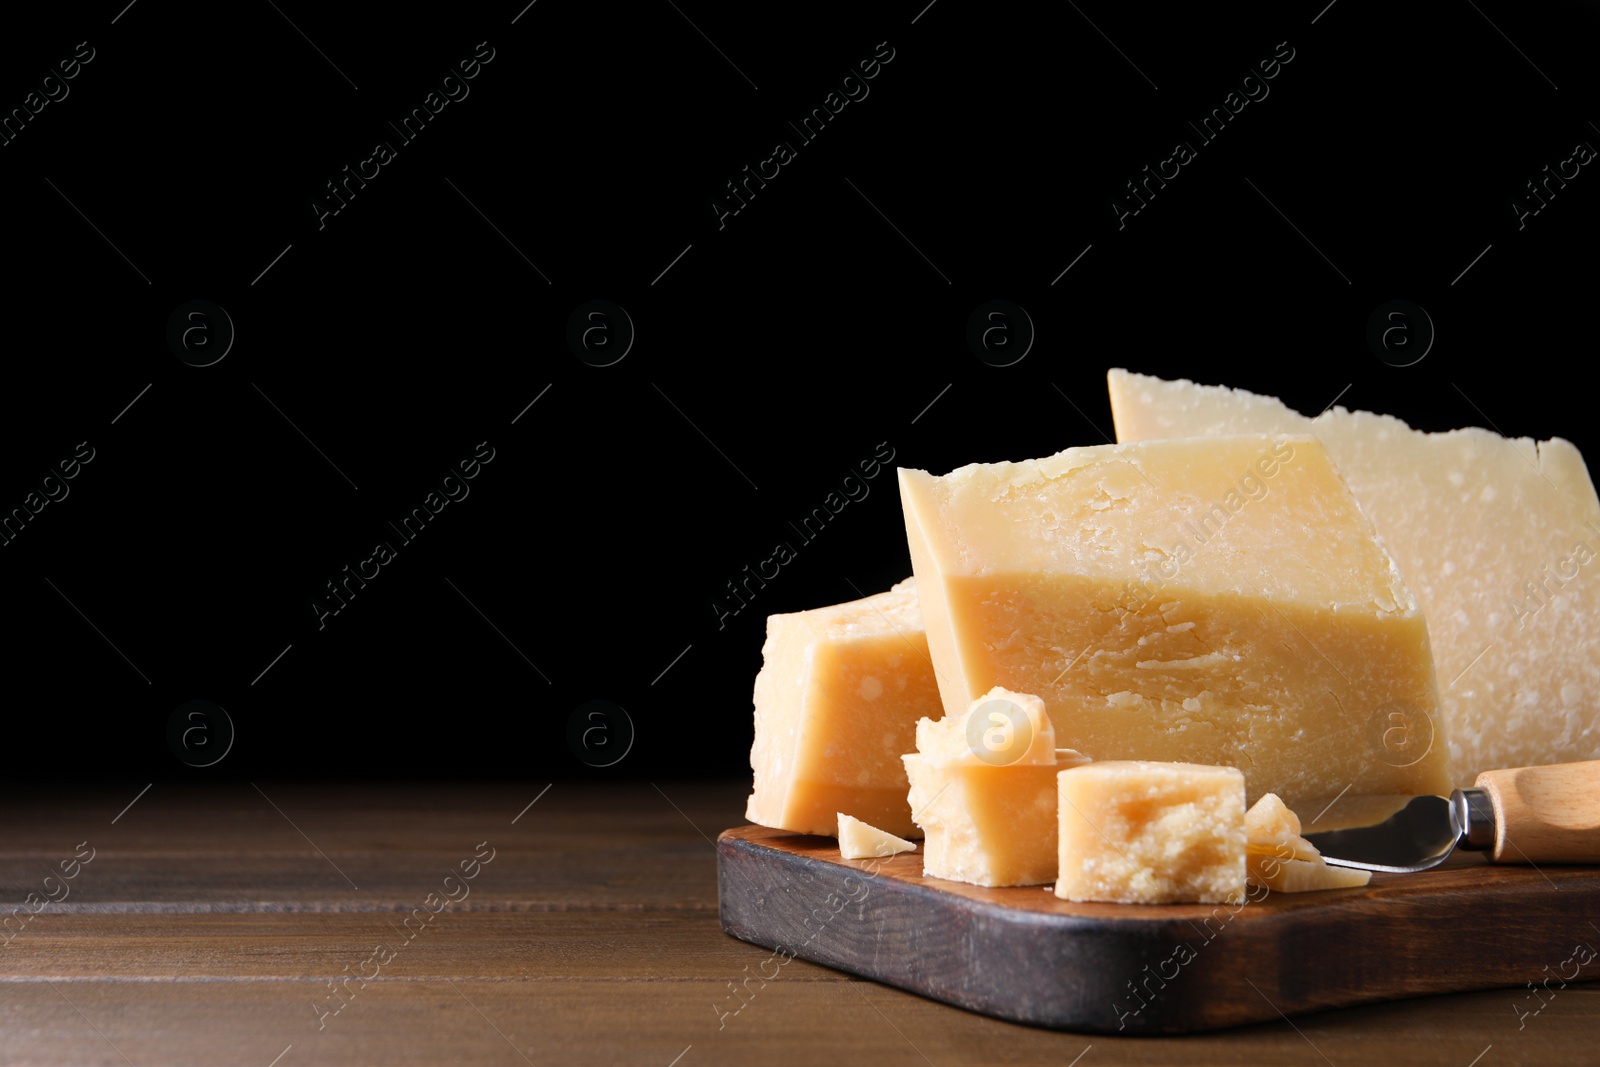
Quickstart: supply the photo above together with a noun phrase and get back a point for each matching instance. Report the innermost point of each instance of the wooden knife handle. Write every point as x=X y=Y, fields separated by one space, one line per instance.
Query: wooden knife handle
x=1545 y=814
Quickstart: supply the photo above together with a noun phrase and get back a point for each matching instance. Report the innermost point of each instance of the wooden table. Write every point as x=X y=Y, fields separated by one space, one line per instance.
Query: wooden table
x=207 y=925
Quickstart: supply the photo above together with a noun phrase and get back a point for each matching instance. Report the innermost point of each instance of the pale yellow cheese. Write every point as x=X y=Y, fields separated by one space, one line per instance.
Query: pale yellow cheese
x=1145 y=832
x=1303 y=876
x=1282 y=860
x=859 y=841
x=1270 y=822
x=987 y=825
x=836 y=705
x=999 y=729
x=1220 y=601
x=987 y=805
x=1498 y=538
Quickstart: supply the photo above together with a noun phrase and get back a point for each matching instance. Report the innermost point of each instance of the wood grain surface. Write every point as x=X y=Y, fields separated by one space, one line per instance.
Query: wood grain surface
x=1021 y=953
x=209 y=924
x=1545 y=814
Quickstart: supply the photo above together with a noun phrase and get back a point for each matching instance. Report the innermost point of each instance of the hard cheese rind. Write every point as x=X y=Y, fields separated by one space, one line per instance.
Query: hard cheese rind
x=1220 y=601
x=836 y=705
x=1498 y=538
x=1144 y=832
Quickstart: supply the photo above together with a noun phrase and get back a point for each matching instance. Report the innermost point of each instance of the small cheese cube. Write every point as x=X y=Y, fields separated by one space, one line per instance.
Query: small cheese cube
x=1283 y=861
x=985 y=825
x=1142 y=832
x=858 y=841
x=836 y=704
x=983 y=791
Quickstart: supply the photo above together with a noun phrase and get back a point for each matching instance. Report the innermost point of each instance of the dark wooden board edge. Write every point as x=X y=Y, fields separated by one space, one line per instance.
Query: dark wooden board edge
x=1134 y=969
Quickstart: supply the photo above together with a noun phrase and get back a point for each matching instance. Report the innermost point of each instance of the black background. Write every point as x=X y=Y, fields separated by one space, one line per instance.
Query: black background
x=775 y=353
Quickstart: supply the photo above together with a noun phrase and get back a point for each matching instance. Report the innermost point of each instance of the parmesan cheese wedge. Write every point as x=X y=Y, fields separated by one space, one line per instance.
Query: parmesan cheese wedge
x=1281 y=860
x=1498 y=538
x=836 y=705
x=1220 y=601
x=859 y=841
x=1303 y=876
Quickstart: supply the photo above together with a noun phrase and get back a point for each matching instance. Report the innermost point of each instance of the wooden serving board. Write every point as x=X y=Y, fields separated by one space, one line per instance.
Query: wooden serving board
x=1023 y=955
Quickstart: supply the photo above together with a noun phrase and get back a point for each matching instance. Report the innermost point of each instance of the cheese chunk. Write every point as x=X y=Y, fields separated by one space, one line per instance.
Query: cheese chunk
x=983 y=791
x=858 y=841
x=836 y=704
x=1303 y=876
x=987 y=825
x=1143 y=832
x=1283 y=861
x=1220 y=601
x=1498 y=538
x=999 y=729
x=1270 y=822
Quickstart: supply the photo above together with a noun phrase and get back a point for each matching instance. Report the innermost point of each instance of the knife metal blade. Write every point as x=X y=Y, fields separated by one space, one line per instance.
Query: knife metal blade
x=1421 y=835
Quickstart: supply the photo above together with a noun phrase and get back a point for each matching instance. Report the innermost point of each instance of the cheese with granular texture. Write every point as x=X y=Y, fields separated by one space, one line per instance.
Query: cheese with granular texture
x=1145 y=832
x=836 y=705
x=1283 y=861
x=987 y=825
x=1217 y=600
x=983 y=790
x=1000 y=728
x=1498 y=538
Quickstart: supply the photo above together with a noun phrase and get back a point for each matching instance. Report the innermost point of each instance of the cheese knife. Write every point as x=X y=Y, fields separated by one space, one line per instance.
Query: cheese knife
x=1531 y=815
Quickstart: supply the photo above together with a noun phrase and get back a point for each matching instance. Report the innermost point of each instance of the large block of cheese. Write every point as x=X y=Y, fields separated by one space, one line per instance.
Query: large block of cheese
x=1141 y=832
x=1498 y=538
x=836 y=705
x=987 y=809
x=1220 y=601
